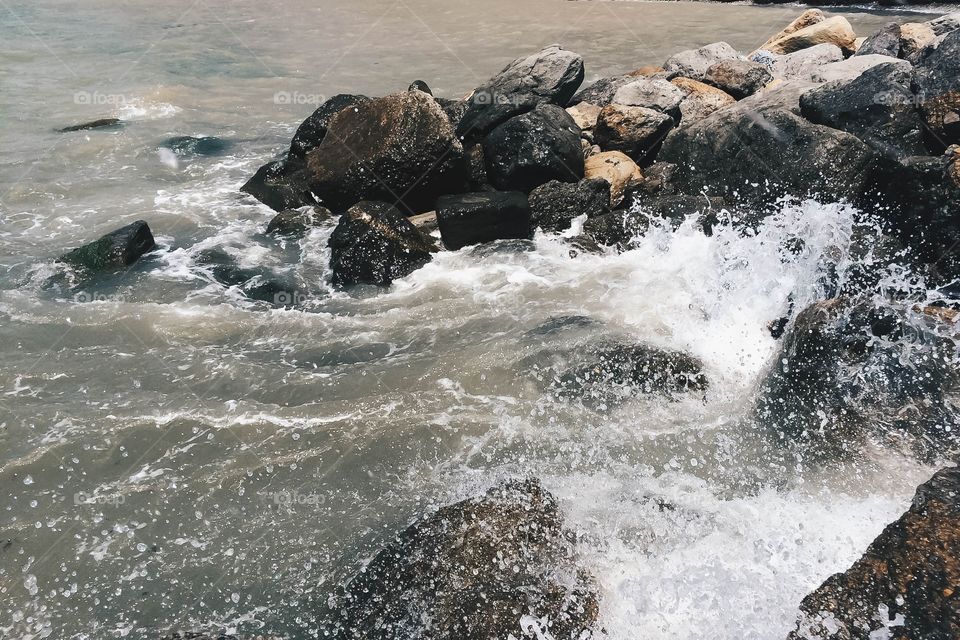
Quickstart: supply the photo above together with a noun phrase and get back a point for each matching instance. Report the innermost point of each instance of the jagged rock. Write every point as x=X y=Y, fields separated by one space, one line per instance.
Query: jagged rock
x=806 y=19
x=585 y=115
x=876 y=106
x=801 y=65
x=850 y=68
x=375 y=244
x=621 y=372
x=915 y=38
x=835 y=30
x=554 y=205
x=651 y=93
x=102 y=123
x=475 y=218
x=550 y=76
x=534 y=148
x=197 y=145
x=280 y=185
x=936 y=82
x=694 y=63
x=739 y=78
x=296 y=222
x=657 y=179
x=313 y=130
x=905 y=585
x=945 y=24
x=115 y=250
x=617 y=169
x=488 y=568
x=885 y=42
x=636 y=131
x=701 y=99
x=601 y=92
x=616 y=229
x=399 y=149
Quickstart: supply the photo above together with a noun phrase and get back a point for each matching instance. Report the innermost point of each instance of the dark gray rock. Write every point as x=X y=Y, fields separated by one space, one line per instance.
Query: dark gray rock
x=636 y=131
x=312 y=131
x=617 y=228
x=554 y=205
x=884 y=42
x=694 y=63
x=420 y=85
x=936 y=82
x=475 y=218
x=102 y=123
x=296 y=222
x=945 y=24
x=116 y=250
x=550 y=76
x=399 y=149
x=534 y=148
x=257 y=283
x=676 y=207
x=739 y=78
x=877 y=106
x=197 y=145
x=375 y=244
x=476 y=569
x=602 y=91
x=280 y=184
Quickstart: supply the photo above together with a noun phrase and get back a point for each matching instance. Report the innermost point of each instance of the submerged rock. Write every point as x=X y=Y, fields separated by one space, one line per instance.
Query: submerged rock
x=475 y=218
x=197 y=145
x=313 y=130
x=115 y=250
x=554 y=205
x=905 y=585
x=102 y=123
x=489 y=568
x=296 y=222
x=280 y=184
x=375 y=244
x=256 y=283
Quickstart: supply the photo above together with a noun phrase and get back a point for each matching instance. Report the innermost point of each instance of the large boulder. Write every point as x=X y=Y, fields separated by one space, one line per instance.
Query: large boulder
x=550 y=76
x=280 y=184
x=554 y=205
x=497 y=566
x=636 y=131
x=534 y=148
x=877 y=106
x=602 y=91
x=884 y=42
x=835 y=30
x=852 y=67
x=375 y=244
x=905 y=585
x=116 y=250
x=399 y=149
x=701 y=99
x=694 y=63
x=313 y=130
x=651 y=93
x=617 y=169
x=475 y=218
x=801 y=65
x=936 y=82
x=806 y=19
x=739 y=78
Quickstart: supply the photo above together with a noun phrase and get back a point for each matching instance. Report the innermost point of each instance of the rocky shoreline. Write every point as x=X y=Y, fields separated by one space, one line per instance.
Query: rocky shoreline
x=816 y=112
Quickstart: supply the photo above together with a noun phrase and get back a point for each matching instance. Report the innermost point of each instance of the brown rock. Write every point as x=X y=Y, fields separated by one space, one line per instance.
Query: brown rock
x=702 y=99
x=633 y=130
x=836 y=30
x=806 y=19
x=645 y=71
x=914 y=38
x=617 y=169
x=585 y=114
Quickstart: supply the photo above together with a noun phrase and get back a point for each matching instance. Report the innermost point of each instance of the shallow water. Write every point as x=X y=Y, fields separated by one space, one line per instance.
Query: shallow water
x=174 y=455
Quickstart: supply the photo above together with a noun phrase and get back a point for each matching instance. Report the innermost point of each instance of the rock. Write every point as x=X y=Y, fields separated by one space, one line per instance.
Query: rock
x=256 y=283
x=585 y=115
x=694 y=63
x=757 y=154
x=296 y=222
x=739 y=78
x=534 y=148
x=420 y=85
x=701 y=99
x=647 y=71
x=375 y=244
x=656 y=179
x=945 y=24
x=616 y=229
x=677 y=208
x=852 y=67
x=876 y=106
x=455 y=110
x=475 y=218
x=426 y=222
x=601 y=92
x=915 y=37
x=936 y=82
x=313 y=130
x=849 y=370
x=835 y=30
x=617 y=169
x=651 y=93
x=885 y=42
x=636 y=131
x=555 y=204
x=102 y=123
x=476 y=167
x=399 y=149
x=905 y=584
x=280 y=185
x=621 y=372
x=496 y=566
x=806 y=19
x=116 y=250
x=550 y=76
x=801 y=65
x=197 y=146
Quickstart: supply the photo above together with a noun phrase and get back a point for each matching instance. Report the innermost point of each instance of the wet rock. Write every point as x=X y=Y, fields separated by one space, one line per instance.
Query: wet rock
x=313 y=130
x=651 y=93
x=801 y=65
x=475 y=218
x=701 y=99
x=554 y=205
x=876 y=106
x=835 y=30
x=534 y=148
x=806 y=19
x=399 y=149
x=256 y=283
x=694 y=63
x=677 y=207
x=420 y=85
x=102 y=123
x=617 y=169
x=280 y=185
x=936 y=82
x=739 y=78
x=623 y=371
x=116 y=250
x=426 y=222
x=496 y=566
x=296 y=222
x=616 y=229
x=550 y=76
x=905 y=584
x=884 y=42
x=375 y=244
x=601 y=92
x=197 y=145
x=636 y=131
x=656 y=179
